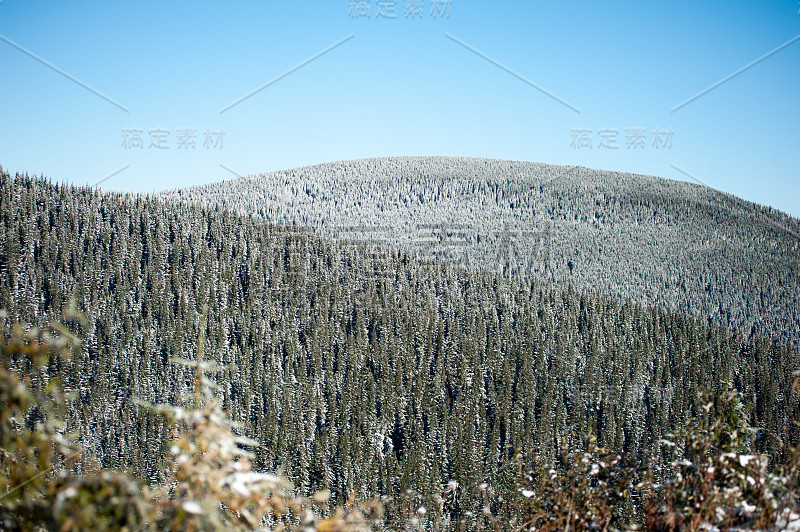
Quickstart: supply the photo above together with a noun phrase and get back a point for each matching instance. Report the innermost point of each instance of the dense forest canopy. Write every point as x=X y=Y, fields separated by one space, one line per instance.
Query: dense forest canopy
x=356 y=367
x=659 y=242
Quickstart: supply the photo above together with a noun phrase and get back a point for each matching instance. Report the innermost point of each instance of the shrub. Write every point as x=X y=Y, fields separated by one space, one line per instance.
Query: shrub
x=210 y=483
x=581 y=490
x=714 y=480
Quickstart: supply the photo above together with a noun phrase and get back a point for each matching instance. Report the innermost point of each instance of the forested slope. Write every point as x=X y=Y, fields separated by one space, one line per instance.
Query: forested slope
x=659 y=242
x=357 y=368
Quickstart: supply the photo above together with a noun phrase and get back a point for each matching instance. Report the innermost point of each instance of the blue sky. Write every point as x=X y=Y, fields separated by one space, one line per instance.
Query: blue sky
x=144 y=89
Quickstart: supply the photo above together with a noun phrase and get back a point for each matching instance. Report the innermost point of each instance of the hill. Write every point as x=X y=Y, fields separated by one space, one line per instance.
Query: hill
x=355 y=367
x=659 y=242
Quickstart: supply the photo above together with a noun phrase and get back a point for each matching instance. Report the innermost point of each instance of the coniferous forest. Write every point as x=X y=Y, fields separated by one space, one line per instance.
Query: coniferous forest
x=357 y=367
x=658 y=242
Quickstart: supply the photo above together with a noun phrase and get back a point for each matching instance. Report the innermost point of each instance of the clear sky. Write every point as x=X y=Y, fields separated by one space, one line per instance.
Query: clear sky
x=139 y=94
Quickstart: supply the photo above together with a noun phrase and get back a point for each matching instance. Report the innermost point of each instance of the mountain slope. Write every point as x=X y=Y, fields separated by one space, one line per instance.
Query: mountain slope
x=356 y=369
x=659 y=242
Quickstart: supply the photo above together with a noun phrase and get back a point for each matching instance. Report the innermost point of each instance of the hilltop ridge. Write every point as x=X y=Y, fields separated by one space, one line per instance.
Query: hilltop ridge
x=657 y=241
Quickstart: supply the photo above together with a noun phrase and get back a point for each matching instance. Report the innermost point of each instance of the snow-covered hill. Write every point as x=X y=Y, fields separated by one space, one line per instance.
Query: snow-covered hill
x=657 y=241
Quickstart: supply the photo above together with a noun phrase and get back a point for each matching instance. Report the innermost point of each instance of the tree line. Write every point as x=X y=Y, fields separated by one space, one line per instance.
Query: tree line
x=356 y=368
